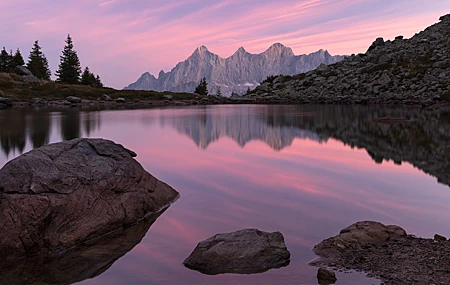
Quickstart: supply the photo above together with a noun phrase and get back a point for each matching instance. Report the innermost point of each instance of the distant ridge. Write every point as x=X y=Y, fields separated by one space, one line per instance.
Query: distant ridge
x=237 y=73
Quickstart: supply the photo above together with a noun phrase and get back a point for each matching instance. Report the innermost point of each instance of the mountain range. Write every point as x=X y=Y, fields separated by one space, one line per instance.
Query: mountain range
x=236 y=73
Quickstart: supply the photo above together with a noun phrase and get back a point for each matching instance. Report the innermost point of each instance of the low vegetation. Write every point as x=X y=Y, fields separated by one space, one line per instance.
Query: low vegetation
x=13 y=88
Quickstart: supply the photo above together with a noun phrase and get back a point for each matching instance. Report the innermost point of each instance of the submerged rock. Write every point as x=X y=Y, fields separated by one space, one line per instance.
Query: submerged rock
x=62 y=195
x=244 y=252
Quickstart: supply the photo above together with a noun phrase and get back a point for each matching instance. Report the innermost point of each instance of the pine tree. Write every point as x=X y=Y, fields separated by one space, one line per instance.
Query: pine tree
x=37 y=63
x=202 y=87
x=10 y=63
x=18 y=59
x=86 y=77
x=219 y=92
x=89 y=78
x=98 y=82
x=5 y=61
x=69 y=67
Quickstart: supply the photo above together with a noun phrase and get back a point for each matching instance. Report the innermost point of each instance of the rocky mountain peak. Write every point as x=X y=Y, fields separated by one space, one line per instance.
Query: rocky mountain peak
x=236 y=73
x=279 y=49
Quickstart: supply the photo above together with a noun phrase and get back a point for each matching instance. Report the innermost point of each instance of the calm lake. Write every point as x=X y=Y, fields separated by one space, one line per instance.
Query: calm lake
x=306 y=171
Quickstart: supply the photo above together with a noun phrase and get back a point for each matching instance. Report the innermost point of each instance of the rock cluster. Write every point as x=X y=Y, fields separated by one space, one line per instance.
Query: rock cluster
x=62 y=195
x=243 y=252
x=386 y=252
x=405 y=71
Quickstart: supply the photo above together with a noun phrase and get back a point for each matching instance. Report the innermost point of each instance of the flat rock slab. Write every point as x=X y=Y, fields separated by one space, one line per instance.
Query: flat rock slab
x=62 y=195
x=246 y=251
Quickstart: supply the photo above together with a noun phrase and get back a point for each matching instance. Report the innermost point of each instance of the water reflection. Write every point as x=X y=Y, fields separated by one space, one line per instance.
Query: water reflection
x=422 y=140
x=84 y=262
x=17 y=126
x=307 y=184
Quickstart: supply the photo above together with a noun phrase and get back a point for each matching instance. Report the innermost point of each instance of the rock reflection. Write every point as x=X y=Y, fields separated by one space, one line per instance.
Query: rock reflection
x=84 y=262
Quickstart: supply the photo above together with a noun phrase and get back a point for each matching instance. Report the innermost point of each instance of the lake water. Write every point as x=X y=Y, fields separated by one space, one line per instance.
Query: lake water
x=306 y=171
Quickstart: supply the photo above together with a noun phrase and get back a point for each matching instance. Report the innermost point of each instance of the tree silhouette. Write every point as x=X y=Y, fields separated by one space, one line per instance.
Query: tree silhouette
x=37 y=63
x=89 y=78
x=202 y=87
x=5 y=60
x=17 y=59
x=69 y=67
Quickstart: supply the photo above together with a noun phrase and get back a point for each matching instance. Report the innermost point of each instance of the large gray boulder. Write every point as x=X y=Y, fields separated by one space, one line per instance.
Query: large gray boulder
x=22 y=70
x=61 y=195
x=244 y=252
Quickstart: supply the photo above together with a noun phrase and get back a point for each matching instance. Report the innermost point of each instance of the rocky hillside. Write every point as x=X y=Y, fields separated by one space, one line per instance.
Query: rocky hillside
x=415 y=70
x=236 y=73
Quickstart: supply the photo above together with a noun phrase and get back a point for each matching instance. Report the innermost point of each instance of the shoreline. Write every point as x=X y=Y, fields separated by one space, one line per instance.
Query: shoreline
x=214 y=100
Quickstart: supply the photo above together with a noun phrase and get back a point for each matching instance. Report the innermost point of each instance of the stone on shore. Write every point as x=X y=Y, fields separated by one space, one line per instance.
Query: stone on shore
x=246 y=251
x=62 y=195
x=73 y=99
x=5 y=103
x=326 y=276
x=359 y=233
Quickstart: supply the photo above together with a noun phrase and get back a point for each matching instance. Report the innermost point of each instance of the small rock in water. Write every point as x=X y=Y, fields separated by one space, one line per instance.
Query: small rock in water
x=120 y=100
x=243 y=252
x=326 y=276
x=438 y=237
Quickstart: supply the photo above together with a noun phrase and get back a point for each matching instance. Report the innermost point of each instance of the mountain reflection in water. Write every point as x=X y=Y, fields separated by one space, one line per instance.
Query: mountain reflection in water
x=422 y=140
x=276 y=168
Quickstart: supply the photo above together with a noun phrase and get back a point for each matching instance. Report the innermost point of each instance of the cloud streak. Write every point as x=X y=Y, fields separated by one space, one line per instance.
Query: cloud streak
x=122 y=39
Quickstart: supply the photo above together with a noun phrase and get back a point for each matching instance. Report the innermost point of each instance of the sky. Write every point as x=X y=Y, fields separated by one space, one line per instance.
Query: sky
x=121 y=39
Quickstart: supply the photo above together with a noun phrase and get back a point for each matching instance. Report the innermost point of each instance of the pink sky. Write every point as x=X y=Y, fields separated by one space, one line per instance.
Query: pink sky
x=121 y=39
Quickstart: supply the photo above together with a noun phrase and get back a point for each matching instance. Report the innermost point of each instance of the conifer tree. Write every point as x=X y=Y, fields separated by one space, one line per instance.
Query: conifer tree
x=18 y=59
x=37 y=63
x=202 y=87
x=89 y=78
x=98 y=82
x=11 y=65
x=5 y=60
x=219 y=92
x=69 y=67
x=86 y=77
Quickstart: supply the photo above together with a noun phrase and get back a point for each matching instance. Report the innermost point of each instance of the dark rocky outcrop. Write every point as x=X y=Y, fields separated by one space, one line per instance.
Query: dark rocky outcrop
x=405 y=71
x=236 y=73
x=5 y=103
x=387 y=253
x=62 y=195
x=360 y=233
x=244 y=252
x=86 y=261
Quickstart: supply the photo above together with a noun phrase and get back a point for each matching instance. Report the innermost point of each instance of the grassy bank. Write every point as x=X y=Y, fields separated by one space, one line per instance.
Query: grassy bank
x=12 y=87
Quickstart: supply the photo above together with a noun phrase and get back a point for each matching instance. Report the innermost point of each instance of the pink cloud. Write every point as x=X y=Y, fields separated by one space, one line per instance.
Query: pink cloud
x=122 y=39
